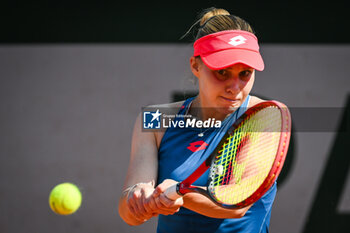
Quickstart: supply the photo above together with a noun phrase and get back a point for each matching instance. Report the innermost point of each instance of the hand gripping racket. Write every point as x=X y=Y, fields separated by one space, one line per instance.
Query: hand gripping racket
x=247 y=160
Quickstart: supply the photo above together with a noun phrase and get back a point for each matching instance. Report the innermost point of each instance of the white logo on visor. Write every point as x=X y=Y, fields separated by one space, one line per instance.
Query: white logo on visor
x=237 y=40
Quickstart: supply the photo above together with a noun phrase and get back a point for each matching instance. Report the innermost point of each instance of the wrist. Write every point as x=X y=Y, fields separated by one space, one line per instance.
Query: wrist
x=131 y=188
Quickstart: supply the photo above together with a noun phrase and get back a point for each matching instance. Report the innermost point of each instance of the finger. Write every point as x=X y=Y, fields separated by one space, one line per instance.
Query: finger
x=173 y=206
x=156 y=192
x=140 y=205
x=161 y=209
x=166 y=201
x=146 y=196
x=150 y=205
x=162 y=186
x=179 y=202
x=170 y=203
x=134 y=209
x=131 y=208
x=158 y=207
x=158 y=203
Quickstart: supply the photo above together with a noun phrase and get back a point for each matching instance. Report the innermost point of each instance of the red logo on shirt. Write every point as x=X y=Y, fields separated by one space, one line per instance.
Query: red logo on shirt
x=197 y=146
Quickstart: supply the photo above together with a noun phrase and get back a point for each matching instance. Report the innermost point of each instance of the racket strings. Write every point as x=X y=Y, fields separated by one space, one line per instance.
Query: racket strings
x=246 y=157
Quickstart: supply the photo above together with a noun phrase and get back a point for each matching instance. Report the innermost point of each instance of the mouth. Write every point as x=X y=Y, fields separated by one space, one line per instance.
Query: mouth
x=230 y=100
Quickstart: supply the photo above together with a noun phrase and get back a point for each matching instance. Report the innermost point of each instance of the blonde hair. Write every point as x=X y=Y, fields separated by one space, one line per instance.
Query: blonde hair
x=213 y=20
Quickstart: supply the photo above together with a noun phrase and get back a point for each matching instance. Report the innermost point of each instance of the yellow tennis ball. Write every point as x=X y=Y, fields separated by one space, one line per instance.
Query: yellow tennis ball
x=65 y=198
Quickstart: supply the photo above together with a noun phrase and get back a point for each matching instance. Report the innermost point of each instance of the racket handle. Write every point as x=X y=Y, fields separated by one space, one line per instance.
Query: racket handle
x=171 y=192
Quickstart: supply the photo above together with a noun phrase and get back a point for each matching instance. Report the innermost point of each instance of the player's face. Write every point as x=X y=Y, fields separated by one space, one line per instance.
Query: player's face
x=225 y=89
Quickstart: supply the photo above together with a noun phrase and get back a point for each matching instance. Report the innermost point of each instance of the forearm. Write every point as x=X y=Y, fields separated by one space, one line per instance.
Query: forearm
x=203 y=205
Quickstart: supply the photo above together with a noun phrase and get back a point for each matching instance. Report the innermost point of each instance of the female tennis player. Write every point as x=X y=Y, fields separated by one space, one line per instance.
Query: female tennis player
x=226 y=55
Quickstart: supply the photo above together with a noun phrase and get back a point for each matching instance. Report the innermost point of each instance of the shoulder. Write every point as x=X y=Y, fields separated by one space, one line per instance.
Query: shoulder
x=170 y=106
x=167 y=108
x=254 y=100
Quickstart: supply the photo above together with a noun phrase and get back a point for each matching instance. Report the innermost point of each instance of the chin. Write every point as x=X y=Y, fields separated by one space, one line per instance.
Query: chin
x=231 y=106
x=227 y=110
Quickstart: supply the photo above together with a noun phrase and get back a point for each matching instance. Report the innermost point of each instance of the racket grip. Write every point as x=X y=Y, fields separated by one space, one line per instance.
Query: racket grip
x=172 y=193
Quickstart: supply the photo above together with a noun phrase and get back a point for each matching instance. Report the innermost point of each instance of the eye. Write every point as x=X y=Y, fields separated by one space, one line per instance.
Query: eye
x=245 y=74
x=222 y=74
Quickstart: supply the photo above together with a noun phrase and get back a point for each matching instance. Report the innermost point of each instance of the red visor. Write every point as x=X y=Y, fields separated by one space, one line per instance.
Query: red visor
x=223 y=49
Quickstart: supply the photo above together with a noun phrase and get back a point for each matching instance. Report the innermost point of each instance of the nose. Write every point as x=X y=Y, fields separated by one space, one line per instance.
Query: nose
x=233 y=85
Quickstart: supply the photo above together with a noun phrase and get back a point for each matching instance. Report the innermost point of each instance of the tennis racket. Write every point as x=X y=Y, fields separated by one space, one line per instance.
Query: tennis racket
x=247 y=160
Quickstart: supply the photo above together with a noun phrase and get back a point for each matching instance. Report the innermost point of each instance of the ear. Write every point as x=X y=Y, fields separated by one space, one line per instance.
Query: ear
x=195 y=64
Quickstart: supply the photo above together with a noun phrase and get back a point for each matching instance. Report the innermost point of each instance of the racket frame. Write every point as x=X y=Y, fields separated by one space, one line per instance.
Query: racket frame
x=186 y=185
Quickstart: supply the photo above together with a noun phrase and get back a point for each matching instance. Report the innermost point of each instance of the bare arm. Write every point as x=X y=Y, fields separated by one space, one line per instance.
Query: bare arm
x=135 y=204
